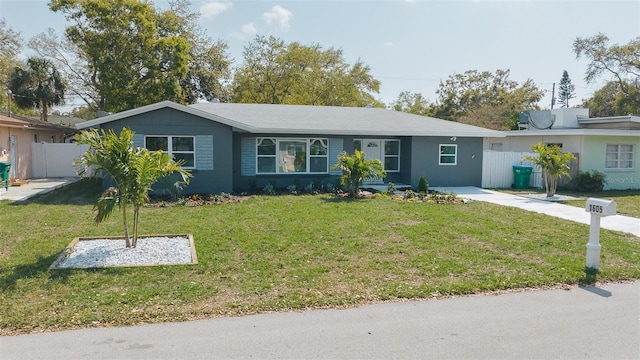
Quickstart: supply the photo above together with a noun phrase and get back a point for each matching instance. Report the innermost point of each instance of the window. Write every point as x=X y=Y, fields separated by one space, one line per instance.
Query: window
x=293 y=156
x=495 y=146
x=619 y=157
x=392 y=155
x=266 y=155
x=318 y=155
x=179 y=147
x=284 y=155
x=35 y=138
x=448 y=154
x=554 y=144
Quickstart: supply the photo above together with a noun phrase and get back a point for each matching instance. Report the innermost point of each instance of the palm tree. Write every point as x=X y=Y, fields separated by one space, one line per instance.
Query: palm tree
x=39 y=85
x=554 y=165
x=133 y=170
x=356 y=169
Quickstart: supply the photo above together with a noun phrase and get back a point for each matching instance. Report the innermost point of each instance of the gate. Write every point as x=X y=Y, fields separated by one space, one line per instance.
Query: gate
x=52 y=160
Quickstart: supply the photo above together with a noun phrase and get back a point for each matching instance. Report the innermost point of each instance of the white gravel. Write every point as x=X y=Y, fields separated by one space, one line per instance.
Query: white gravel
x=112 y=252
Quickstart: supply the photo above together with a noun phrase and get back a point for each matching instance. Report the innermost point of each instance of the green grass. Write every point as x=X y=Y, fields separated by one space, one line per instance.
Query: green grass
x=286 y=253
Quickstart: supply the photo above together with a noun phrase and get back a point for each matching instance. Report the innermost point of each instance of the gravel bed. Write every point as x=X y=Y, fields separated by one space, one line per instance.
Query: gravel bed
x=112 y=252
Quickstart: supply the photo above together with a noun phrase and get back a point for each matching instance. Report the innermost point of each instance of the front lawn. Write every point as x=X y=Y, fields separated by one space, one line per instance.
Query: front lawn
x=279 y=253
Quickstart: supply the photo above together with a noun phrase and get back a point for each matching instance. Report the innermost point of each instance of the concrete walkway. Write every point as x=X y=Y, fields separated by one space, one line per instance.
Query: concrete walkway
x=618 y=222
x=35 y=187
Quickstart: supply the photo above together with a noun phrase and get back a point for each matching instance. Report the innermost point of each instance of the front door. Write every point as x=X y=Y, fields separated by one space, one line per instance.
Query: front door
x=373 y=149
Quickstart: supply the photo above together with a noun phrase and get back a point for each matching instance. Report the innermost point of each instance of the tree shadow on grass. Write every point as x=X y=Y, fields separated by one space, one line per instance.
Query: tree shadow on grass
x=9 y=278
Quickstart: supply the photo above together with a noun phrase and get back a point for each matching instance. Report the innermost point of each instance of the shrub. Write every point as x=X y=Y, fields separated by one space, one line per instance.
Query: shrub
x=423 y=185
x=391 y=189
x=593 y=181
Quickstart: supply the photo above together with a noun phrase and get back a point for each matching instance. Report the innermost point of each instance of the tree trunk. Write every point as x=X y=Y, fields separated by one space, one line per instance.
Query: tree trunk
x=127 y=243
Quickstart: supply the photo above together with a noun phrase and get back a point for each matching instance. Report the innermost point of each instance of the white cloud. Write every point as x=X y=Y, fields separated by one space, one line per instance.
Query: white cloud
x=212 y=9
x=249 y=29
x=278 y=15
x=388 y=44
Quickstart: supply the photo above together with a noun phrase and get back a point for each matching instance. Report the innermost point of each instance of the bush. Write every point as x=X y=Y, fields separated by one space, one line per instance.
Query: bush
x=593 y=181
x=423 y=185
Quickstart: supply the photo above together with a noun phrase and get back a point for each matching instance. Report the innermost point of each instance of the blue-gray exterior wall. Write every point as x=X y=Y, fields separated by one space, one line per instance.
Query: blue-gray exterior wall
x=425 y=161
x=213 y=145
x=225 y=160
x=245 y=176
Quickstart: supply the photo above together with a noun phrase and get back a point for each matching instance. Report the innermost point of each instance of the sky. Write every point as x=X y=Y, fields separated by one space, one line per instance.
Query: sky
x=410 y=45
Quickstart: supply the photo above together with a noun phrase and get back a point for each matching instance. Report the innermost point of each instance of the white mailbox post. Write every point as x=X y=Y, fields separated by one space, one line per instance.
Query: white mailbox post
x=598 y=208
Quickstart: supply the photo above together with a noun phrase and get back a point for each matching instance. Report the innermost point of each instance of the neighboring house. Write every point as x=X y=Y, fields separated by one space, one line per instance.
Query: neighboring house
x=606 y=144
x=241 y=146
x=17 y=134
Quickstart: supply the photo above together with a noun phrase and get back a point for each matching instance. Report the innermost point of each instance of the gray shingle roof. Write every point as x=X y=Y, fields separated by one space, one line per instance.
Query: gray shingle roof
x=305 y=119
x=333 y=120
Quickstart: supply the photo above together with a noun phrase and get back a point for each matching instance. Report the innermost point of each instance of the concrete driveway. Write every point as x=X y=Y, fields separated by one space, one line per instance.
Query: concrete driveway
x=618 y=222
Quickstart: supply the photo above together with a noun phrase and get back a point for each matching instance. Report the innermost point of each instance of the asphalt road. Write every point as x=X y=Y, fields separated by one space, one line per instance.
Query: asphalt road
x=579 y=323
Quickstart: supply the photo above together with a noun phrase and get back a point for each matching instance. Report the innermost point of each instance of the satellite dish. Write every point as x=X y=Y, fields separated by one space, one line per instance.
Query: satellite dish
x=538 y=119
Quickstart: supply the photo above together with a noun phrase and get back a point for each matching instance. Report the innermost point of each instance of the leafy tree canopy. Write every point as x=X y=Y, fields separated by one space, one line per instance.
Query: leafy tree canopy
x=413 y=103
x=620 y=62
x=275 y=72
x=38 y=84
x=485 y=99
x=10 y=45
x=129 y=54
x=610 y=100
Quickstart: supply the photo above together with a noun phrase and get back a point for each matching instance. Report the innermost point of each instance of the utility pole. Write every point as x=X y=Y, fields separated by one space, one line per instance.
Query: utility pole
x=553 y=95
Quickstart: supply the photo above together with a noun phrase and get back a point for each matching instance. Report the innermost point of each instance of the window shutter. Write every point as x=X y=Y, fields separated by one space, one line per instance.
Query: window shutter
x=204 y=152
x=248 y=156
x=336 y=146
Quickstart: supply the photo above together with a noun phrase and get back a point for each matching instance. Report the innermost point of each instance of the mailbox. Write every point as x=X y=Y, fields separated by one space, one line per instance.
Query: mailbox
x=600 y=207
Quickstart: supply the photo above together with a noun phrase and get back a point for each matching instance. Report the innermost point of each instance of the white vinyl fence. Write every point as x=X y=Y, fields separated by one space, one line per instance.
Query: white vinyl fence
x=497 y=169
x=51 y=160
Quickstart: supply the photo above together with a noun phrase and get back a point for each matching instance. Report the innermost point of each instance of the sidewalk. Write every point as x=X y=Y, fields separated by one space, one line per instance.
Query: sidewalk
x=618 y=222
x=579 y=323
x=35 y=187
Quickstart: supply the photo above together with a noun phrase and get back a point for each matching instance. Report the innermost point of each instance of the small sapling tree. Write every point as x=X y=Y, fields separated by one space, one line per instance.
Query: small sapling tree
x=133 y=170
x=356 y=169
x=554 y=164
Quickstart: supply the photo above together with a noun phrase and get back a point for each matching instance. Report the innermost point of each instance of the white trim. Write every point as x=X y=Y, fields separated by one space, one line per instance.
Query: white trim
x=162 y=105
x=383 y=155
x=170 y=143
x=618 y=152
x=278 y=161
x=454 y=155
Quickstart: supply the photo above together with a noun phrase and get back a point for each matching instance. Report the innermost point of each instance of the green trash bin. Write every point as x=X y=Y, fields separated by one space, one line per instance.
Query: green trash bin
x=521 y=176
x=4 y=174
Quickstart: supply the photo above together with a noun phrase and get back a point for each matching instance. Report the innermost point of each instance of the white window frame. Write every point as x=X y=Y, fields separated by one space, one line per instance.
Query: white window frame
x=307 y=141
x=385 y=155
x=170 y=146
x=619 y=159
x=454 y=155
